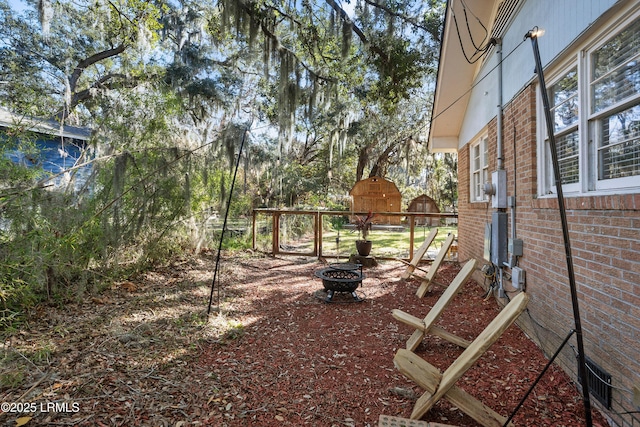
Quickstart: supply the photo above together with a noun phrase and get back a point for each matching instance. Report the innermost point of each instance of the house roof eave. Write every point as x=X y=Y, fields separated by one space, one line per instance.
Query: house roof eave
x=443 y=144
x=455 y=78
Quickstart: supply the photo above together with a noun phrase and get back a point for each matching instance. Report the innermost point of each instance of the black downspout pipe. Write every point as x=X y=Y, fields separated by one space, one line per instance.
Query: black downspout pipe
x=224 y=224
x=582 y=368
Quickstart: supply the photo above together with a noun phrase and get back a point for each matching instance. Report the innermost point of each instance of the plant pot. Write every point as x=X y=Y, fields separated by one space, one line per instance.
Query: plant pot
x=363 y=247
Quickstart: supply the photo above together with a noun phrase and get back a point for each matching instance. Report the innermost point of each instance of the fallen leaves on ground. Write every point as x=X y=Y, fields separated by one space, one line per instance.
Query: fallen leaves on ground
x=272 y=353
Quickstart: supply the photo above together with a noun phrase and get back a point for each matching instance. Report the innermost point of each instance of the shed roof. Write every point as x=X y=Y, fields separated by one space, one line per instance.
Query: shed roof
x=388 y=187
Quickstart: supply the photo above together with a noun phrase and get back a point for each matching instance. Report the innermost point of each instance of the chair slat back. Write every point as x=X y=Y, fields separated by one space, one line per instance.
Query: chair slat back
x=479 y=346
x=417 y=257
x=447 y=297
x=440 y=257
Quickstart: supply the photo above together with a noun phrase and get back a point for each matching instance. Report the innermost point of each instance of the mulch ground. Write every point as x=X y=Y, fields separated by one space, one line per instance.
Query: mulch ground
x=271 y=353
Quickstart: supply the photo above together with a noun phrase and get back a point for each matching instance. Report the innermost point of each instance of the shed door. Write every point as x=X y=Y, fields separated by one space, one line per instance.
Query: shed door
x=367 y=204
x=382 y=205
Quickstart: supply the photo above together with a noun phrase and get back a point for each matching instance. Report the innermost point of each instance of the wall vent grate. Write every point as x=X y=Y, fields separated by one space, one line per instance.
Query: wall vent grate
x=599 y=382
x=505 y=13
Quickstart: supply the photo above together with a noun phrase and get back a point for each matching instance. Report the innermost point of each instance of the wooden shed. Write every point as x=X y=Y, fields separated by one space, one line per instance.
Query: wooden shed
x=377 y=194
x=424 y=204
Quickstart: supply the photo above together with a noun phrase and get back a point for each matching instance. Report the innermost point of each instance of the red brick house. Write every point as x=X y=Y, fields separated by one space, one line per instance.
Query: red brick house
x=488 y=109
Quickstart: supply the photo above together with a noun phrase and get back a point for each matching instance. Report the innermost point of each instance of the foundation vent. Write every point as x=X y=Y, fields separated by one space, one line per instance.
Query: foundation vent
x=599 y=382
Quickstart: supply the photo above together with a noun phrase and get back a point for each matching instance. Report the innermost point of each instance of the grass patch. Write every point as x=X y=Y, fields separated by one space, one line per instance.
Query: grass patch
x=11 y=379
x=385 y=243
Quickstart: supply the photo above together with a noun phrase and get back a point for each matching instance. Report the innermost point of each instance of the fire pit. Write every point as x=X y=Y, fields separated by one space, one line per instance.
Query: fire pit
x=341 y=278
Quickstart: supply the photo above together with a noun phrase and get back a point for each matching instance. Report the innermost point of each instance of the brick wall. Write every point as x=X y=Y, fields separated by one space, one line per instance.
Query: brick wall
x=605 y=240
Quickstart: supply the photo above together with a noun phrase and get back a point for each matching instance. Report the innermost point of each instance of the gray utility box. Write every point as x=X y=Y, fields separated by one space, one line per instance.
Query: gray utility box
x=499 y=183
x=499 y=238
x=517 y=277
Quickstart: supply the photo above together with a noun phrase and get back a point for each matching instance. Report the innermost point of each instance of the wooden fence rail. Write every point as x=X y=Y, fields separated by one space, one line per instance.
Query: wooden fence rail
x=318 y=219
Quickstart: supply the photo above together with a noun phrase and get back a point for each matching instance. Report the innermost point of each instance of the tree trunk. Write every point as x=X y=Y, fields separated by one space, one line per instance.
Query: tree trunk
x=363 y=159
x=381 y=165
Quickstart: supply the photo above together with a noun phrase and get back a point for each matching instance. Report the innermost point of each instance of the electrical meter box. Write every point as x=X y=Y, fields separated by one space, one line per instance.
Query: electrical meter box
x=499 y=183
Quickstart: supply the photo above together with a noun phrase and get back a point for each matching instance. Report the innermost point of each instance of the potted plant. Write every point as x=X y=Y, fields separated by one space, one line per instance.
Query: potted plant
x=363 y=225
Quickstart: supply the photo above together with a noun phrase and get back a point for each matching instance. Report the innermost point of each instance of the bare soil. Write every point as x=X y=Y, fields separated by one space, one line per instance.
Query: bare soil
x=271 y=353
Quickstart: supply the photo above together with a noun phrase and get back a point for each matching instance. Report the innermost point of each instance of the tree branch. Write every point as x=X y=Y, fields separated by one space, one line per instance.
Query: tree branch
x=361 y=35
x=269 y=34
x=403 y=17
x=84 y=64
x=382 y=162
x=105 y=82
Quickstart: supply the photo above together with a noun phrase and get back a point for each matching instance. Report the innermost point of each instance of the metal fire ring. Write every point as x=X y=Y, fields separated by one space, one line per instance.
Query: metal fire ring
x=341 y=278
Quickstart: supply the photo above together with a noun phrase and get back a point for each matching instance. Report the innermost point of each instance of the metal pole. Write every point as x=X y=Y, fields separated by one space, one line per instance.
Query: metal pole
x=499 y=133
x=224 y=224
x=582 y=368
x=506 y=423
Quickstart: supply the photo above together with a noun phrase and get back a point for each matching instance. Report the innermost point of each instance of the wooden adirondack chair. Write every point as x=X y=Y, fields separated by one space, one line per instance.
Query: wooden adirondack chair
x=427 y=281
x=428 y=325
x=442 y=384
x=417 y=257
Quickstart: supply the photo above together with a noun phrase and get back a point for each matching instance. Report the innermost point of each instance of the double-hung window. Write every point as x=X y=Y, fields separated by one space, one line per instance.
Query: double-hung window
x=479 y=155
x=595 y=109
x=614 y=86
x=563 y=100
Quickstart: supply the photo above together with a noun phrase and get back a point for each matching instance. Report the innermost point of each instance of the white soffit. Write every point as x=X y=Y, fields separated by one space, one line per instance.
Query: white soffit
x=455 y=74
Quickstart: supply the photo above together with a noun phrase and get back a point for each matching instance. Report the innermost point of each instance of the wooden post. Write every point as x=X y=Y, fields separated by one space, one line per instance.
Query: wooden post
x=317 y=244
x=412 y=226
x=254 y=230
x=275 y=241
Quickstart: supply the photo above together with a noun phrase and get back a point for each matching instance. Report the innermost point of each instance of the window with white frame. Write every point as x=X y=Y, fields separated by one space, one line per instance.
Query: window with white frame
x=479 y=160
x=563 y=102
x=615 y=107
x=595 y=107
